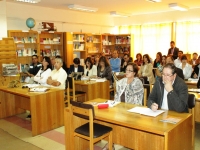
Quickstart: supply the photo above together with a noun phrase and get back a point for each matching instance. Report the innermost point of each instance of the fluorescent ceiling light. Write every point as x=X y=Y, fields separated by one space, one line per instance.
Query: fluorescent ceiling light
x=29 y=1
x=154 y=1
x=118 y=14
x=178 y=7
x=82 y=8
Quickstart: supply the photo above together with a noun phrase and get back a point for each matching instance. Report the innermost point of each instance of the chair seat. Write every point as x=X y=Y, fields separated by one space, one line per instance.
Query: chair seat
x=77 y=93
x=99 y=130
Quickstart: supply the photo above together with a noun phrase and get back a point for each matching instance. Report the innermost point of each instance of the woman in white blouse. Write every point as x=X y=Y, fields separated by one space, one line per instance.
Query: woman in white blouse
x=187 y=68
x=90 y=69
x=44 y=72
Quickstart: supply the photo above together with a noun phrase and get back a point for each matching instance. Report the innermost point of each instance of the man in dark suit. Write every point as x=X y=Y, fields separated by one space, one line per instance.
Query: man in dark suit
x=76 y=67
x=196 y=73
x=173 y=51
x=179 y=71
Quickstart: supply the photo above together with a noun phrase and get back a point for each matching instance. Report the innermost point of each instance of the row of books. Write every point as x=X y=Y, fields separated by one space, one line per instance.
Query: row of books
x=50 y=40
x=78 y=37
x=122 y=49
x=123 y=40
x=50 y=52
x=26 y=52
x=79 y=46
x=23 y=67
x=25 y=39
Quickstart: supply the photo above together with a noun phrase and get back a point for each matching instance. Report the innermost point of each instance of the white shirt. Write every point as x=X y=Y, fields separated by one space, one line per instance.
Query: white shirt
x=42 y=76
x=75 y=69
x=60 y=76
x=187 y=71
x=177 y=62
x=165 y=101
x=92 y=71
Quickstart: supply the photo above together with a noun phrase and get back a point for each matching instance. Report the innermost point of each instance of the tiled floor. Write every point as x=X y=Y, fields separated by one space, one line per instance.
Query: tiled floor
x=52 y=140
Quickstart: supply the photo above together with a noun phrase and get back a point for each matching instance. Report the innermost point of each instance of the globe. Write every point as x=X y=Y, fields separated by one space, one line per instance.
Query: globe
x=30 y=22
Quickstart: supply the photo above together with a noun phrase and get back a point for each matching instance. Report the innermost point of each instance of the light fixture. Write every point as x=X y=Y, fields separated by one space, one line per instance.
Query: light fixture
x=154 y=1
x=29 y=1
x=118 y=14
x=82 y=8
x=178 y=7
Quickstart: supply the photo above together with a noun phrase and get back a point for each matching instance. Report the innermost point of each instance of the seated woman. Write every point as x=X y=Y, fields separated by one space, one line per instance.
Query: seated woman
x=104 y=70
x=130 y=89
x=157 y=62
x=91 y=69
x=160 y=67
x=146 y=69
x=138 y=60
x=196 y=72
x=76 y=67
x=43 y=73
x=187 y=68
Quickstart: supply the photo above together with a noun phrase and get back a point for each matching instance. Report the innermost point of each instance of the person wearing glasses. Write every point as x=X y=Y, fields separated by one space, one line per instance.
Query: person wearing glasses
x=169 y=92
x=125 y=62
x=130 y=89
x=43 y=73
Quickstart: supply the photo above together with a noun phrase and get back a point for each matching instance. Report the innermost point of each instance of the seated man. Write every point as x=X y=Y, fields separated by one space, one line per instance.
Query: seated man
x=58 y=76
x=196 y=72
x=34 y=67
x=169 y=92
x=76 y=67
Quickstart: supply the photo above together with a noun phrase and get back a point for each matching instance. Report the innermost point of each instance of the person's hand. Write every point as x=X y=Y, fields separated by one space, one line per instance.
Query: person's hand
x=154 y=107
x=195 y=75
x=168 y=85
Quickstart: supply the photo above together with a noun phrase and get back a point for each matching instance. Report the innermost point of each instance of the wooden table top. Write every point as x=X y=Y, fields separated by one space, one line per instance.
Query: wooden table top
x=191 y=82
x=119 y=115
x=86 y=82
x=25 y=91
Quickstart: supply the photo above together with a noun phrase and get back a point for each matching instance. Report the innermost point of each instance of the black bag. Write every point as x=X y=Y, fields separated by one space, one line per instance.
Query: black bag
x=198 y=83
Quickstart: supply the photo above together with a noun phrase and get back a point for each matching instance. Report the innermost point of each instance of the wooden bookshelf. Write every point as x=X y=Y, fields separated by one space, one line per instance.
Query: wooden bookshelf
x=93 y=44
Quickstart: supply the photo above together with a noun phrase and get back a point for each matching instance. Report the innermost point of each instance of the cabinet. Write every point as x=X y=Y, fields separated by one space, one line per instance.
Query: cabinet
x=93 y=44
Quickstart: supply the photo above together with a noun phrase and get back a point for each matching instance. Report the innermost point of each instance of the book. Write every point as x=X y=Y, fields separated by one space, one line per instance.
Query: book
x=38 y=89
x=146 y=111
x=171 y=119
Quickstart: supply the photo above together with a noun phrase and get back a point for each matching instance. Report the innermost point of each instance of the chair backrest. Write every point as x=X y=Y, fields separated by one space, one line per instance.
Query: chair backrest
x=191 y=101
x=114 y=77
x=67 y=94
x=144 y=80
x=70 y=81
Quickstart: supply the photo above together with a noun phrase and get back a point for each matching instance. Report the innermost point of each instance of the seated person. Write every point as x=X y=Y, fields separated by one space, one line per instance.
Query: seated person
x=91 y=69
x=169 y=92
x=125 y=63
x=146 y=69
x=130 y=89
x=58 y=76
x=196 y=72
x=43 y=73
x=64 y=65
x=187 y=68
x=76 y=67
x=34 y=67
x=138 y=60
x=160 y=67
x=104 y=70
x=115 y=62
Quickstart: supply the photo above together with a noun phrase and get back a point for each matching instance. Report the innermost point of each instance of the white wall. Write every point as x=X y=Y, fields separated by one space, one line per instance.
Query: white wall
x=3 y=22
x=64 y=20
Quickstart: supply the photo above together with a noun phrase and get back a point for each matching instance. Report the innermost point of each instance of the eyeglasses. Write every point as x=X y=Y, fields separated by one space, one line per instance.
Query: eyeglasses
x=128 y=70
x=167 y=75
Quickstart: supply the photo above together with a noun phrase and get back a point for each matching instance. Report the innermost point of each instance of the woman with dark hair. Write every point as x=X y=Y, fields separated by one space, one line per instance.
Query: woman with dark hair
x=130 y=88
x=44 y=72
x=104 y=69
x=96 y=60
x=138 y=60
x=90 y=69
x=146 y=69
x=76 y=67
x=157 y=62
x=160 y=67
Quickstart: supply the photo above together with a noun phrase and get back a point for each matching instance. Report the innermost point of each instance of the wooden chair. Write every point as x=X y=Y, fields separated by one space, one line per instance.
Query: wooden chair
x=67 y=94
x=73 y=94
x=191 y=105
x=90 y=131
x=147 y=91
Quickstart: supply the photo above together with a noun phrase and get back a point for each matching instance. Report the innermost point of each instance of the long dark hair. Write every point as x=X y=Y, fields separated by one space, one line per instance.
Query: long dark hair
x=89 y=59
x=105 y=60
x=148 y=58
x=47 y=59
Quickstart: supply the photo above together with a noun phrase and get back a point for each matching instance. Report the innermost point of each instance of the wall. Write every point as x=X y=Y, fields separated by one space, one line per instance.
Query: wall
x=3 y=22
x=64 y=20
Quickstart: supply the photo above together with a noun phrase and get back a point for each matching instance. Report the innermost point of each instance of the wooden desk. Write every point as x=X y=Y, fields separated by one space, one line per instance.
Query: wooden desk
x=197 y=106
x=191 y=84
x=46 y=108
x=94 y=89
x=136 y=131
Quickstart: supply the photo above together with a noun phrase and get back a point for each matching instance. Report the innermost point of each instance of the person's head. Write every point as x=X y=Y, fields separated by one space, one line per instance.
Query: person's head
x=194 y=56
x=169 y=72
x=103 y=61
x=198 y=60
x=180 y=53
x=115 y=54
x=131 y=70
x=159 y=56
x=76 y=62
x=146 y=59
x=138 y=56
x=88 y=62
x=169 y=59
x=58 y=63
x=126 y=52
x=126 y=57
x=35 y=59
x=52 y=60
x=164 y=57
x=96 y=59
x=184 y=59
x=46 y=63
x=172 y=44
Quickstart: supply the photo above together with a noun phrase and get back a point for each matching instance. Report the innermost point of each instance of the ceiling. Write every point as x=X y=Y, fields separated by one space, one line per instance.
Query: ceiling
x=134 y=7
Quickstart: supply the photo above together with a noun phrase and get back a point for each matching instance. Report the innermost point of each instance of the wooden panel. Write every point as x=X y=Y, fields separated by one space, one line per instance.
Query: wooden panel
x=197 y=111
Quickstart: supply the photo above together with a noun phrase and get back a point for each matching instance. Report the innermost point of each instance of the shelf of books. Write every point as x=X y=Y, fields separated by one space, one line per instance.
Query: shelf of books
x=51 y=44
x=93 y=44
